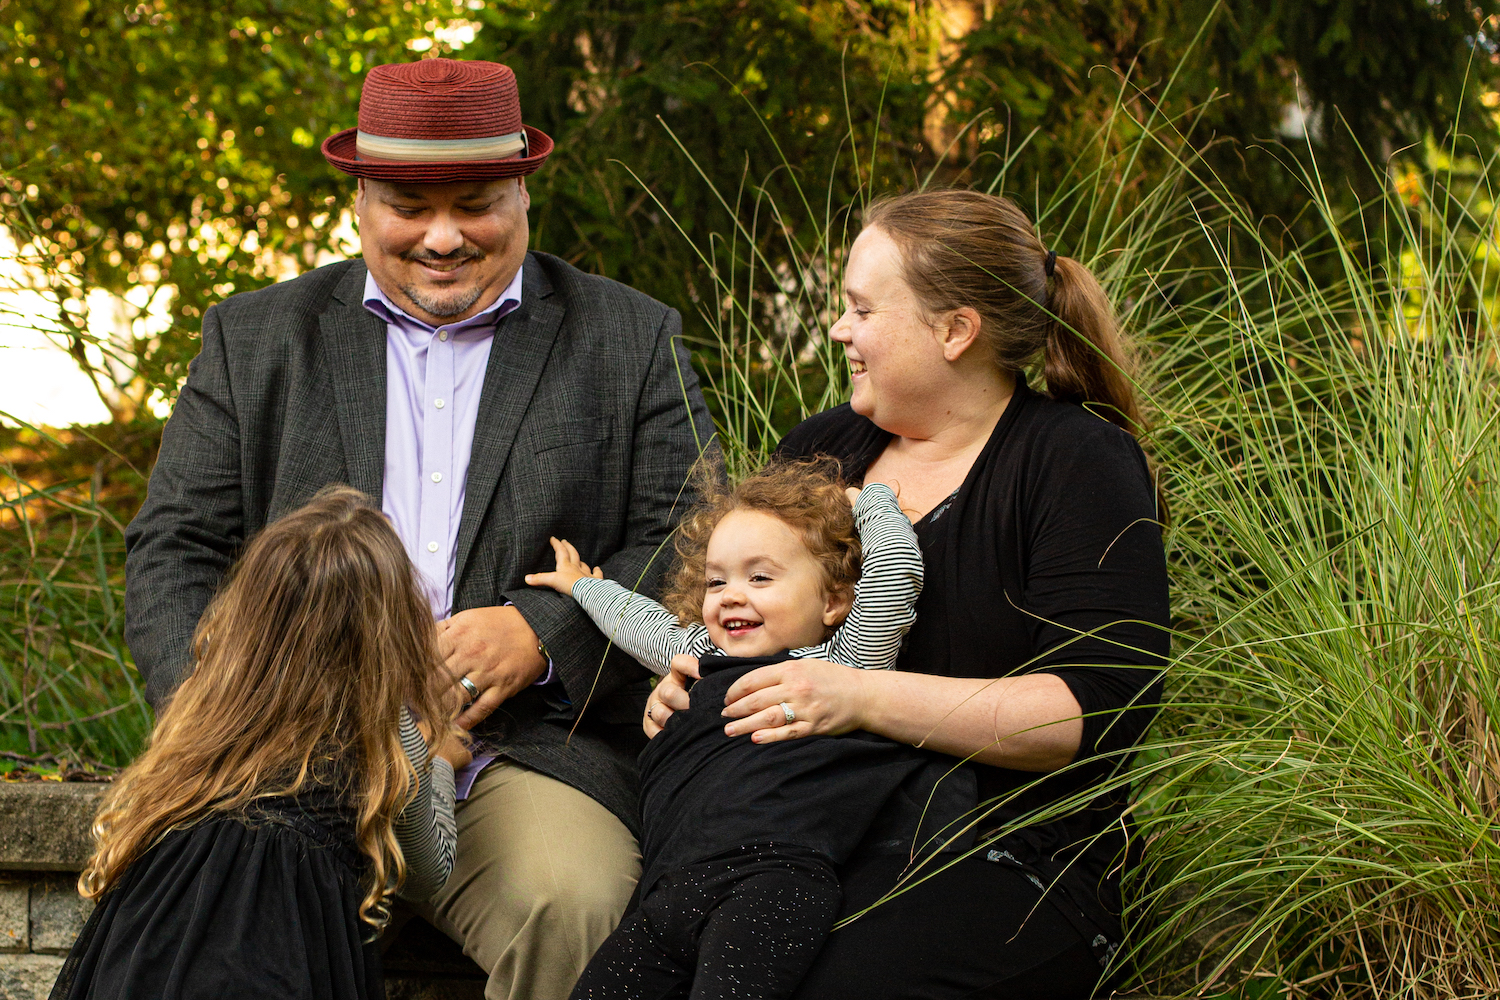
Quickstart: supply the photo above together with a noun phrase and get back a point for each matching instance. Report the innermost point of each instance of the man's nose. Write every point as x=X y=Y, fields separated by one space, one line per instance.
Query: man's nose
x=443 y=234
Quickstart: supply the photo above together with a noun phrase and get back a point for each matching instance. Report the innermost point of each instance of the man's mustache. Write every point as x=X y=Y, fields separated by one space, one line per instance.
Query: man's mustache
x=427 y=256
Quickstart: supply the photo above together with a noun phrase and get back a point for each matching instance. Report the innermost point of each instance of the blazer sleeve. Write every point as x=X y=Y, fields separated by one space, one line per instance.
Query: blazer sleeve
x=191 y=525
x=672 y=428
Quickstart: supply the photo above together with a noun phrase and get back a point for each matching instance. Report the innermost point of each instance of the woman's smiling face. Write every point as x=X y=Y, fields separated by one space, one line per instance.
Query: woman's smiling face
x=765 y=591
x=895 y=356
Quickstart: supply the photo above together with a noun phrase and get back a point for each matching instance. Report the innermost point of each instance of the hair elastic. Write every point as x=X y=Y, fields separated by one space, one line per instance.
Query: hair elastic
x=1050 y=264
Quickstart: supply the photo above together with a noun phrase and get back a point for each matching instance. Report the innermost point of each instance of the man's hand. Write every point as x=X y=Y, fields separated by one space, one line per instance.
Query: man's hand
x=496 y=650
x=570 y=569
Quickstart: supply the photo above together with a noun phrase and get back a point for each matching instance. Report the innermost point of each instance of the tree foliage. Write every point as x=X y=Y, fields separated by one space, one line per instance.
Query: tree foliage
x=167 y=151
x=171 y=147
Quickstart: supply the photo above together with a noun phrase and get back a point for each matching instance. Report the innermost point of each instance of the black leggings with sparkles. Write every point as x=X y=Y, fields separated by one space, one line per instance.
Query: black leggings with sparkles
x=744 y=927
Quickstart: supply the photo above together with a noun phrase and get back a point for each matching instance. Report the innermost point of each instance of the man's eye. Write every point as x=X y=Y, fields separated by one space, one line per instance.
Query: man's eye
x=406 y=213
x=477 y=209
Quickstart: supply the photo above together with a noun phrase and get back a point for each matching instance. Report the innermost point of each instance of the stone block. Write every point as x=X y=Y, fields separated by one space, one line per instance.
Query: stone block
x=15 y=914
x=44 y=825
x=28 y=977
x=57 y=914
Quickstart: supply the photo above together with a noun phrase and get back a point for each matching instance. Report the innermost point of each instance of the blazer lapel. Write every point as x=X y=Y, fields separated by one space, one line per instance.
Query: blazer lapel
x=355 y=344
x=522 y=344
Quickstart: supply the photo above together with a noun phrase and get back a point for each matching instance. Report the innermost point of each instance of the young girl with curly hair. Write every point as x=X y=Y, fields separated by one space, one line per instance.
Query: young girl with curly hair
x=287 y=791
x=740 y=838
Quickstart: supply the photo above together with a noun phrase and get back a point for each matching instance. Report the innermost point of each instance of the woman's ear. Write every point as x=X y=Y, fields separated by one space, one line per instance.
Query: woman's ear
x=836 y=608
x=960 y=333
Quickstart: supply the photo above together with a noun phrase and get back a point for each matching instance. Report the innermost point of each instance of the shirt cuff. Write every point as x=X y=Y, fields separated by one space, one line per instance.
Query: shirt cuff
x=463 y=778
x=551 y=674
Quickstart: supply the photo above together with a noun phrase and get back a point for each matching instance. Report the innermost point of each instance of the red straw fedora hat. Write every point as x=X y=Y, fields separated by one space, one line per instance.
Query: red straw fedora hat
x=436 y=121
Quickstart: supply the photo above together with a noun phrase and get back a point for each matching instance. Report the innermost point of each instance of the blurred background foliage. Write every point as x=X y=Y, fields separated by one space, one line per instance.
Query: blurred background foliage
x=166 y=153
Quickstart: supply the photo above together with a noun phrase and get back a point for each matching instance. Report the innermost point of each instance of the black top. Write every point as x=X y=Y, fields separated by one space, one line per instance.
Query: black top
x=260 y=903
x=1052 y=536
x=704 y=794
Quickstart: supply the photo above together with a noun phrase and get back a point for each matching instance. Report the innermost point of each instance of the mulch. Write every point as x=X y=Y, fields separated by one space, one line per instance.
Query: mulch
x=16 y=767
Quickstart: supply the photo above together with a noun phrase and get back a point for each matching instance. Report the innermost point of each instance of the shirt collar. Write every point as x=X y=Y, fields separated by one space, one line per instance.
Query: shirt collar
x=377 y=302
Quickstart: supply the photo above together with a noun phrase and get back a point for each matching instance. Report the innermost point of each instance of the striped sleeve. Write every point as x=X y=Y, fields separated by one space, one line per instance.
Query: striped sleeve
x=889 y=581
x=425 y=828
x=639 y=625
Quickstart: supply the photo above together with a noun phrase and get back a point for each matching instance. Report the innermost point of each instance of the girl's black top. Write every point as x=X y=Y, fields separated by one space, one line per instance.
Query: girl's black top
x=705 y=795
x=1048 y=558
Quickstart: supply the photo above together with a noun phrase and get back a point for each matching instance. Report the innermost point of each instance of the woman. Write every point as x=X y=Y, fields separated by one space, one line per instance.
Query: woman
x=1040 y=631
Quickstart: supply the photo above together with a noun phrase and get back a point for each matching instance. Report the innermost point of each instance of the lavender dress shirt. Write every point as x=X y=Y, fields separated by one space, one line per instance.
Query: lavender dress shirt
x=434 y=376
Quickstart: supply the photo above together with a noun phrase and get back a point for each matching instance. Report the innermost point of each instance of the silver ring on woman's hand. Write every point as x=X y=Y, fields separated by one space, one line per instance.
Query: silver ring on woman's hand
x=786 y=710
x=470 y=687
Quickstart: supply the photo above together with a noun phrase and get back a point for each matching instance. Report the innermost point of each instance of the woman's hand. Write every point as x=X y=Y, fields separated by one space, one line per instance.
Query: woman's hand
x=570 y=569
x=670 y=694
x=826 y=698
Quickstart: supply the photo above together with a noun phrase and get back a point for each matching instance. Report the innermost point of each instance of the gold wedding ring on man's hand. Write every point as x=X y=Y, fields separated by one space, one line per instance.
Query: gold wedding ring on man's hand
x=469 y=687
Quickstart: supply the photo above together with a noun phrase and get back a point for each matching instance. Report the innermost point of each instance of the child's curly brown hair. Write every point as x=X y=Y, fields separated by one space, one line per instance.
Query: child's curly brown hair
x=806 y=495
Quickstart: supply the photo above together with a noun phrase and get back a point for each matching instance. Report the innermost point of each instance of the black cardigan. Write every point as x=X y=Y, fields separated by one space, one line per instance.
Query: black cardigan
x=1049 y=559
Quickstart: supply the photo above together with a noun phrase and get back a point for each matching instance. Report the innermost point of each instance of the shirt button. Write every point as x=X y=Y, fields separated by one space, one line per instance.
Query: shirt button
x=437 y=477
x=432 y=546
x=438 y=403
x=443 y=335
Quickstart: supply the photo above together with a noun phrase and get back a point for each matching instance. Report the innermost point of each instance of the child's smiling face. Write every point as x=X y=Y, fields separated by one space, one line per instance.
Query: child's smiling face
x=765 y=590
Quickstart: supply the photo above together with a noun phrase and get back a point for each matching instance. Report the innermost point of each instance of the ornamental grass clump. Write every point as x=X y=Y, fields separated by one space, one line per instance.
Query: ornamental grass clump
x=1322 y=803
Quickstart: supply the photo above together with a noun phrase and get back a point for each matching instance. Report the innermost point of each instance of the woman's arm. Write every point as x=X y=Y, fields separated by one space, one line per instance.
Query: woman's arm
x=1026 y=723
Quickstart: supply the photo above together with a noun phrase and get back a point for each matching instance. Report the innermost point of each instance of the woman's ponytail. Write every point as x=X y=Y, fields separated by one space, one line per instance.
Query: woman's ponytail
x=1083 y=359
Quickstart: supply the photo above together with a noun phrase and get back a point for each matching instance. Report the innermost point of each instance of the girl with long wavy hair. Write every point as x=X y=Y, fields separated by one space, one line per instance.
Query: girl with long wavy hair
x=287 y=791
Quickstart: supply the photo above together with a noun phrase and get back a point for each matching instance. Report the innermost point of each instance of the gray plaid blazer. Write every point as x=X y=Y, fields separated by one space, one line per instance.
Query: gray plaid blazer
x=588 y=425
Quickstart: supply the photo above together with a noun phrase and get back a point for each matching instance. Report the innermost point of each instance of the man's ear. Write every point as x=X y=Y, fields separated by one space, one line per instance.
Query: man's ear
x=359 y=198
x=836 y=607
x=960 y=333
x=525 y=195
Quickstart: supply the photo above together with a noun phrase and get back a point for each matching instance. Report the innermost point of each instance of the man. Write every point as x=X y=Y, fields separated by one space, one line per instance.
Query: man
x=488 y=398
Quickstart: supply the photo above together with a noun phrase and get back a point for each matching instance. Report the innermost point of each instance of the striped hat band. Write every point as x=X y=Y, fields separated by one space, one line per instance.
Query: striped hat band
x=387 y=149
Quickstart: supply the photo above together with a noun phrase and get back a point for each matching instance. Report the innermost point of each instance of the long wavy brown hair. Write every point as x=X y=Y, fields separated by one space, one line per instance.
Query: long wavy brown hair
x=805 y=495
x=304 y=659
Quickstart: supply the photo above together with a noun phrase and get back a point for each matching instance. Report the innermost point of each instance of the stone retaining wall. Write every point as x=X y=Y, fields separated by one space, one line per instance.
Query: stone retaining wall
x=44 y=841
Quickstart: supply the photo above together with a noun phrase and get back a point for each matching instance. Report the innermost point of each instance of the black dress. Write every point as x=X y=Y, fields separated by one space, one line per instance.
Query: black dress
x=1047 y=558
x=262 y=904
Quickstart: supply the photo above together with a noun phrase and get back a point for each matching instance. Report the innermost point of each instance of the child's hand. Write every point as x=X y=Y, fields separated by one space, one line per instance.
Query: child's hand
x=454 y=749
x=853 y=492
x=570 y=569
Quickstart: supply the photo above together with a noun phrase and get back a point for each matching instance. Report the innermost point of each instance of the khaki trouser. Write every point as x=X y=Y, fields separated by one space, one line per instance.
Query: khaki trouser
x=543 y=875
